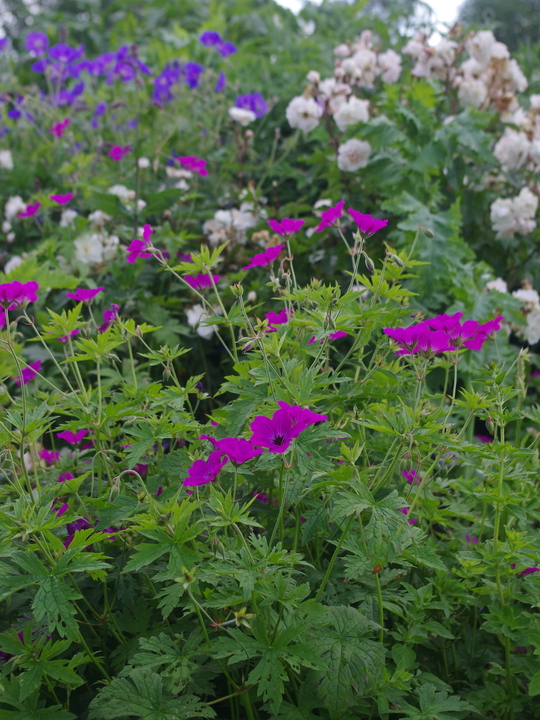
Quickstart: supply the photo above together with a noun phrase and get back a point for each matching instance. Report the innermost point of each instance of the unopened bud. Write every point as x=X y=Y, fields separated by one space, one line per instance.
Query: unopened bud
x=428 y=233
x=237 y=289
x=370 y=265
x=251 y=296
x=396 y=260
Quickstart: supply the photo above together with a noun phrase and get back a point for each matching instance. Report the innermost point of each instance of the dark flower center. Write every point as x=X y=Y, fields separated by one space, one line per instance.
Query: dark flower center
x=279 y=440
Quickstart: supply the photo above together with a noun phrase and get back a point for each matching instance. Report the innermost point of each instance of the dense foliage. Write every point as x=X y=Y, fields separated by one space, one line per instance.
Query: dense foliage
x=268 y=321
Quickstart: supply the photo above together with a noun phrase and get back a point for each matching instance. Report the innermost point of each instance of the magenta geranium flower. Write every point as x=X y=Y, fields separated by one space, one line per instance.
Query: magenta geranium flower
x=484 y=438
x=528 y=571
x=367 y=224
x=265 y=258
x=412 y=476
x=484 y=332
x=73 y=438
x=411 y=521
x=16 y=294
x=264 y=498
x=286 y=424
x=201 y=281
x=117 y=152
x=237 y=450
x=59 y=128
x=65 y=338
x=287 y=226
x=458 y=333
x=65 y=476
x=62 y=199
x=62 y=509
x=332 y=336
x=49 y=456
x=83 y=295
x=279 y=318
x=137 y=247
x=193 y=163
x=28 y=373
x=330 y=217
x=205 y=471
x=420 y=339
x=109 y=316
x=471 y=539
x=30 y=211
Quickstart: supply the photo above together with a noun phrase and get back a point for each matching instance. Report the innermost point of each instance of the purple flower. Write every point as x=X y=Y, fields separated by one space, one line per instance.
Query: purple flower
x=49 y=456
x=65 y=476
x=210 y=38
x=82 y=295
x=279 y=318
x=201 y=281
x=36 y=42
x=65 y=54
x=192 y=73
x=226 y=48
x=73 y=438
x=420 y=339
x=62 y=509
x=405 y=511
x=412 y=476
x=286 y=424
x=14 y=114
x=15 y=294
x=193 y=163
x=237 y=450
x=265 y=258
x=286 y=226
x=330 y=217
x=484 y=438
x=62 y=199
x=367 y=224
x=471 y=539
x=117 y=152
x=137 y=248
x=221 y=82
x=59 y=128
x=254 y=102
x=332 y=336
x=101 y=109
x=205 y=471
x=528 y=571
x=30 y=211
x=40 y=66
x=264 y=498
x=28 y=373
x=109 y=316
x=4 y=43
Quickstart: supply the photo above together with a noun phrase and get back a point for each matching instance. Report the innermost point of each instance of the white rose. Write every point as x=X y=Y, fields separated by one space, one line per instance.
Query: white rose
x=525 y=204
x=89 y=249
x=390 y=64
x=303 y=113
x=500 y=51
x=517 y=78
x=528 y=296
x=535 y=151
x=67 y=217
x=10 y=237
x=472 y=93
x=502 y=217
x=352 y=112
x=143 y=163
x=6 y=226
x=13 y=263
x=122 y=192
x=6 y=160
x=110 y=246
x=98 y=218
x=353 y=155
x=535 y=102
x=499 y=285
x=313 y=77
x=242 y=116
x=512 y=149
x=196 y=317
x=480 y=46
x=342 y=51
x=14 y=206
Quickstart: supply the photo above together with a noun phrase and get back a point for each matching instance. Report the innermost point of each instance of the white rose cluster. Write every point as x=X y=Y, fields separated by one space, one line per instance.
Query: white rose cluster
x=521 y=148
x=231 y=225
x=531 y=309
x=93 y=248
x=353 y=155
x=511 y=216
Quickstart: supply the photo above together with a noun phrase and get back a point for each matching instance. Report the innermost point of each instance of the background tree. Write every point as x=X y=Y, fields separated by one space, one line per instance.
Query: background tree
x=513 y=23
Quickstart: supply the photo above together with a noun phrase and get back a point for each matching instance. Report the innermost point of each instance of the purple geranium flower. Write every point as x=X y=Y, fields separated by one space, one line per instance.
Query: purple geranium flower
x=226 y=48
x=286 y=424
x=62 y=199
x=265 y=258
x=49 y=456
x=73 y=438
x=528 y=571
x=109 y=316
x=59 y=128
x=192 y=74
x=332 y=336
x=137 y=248
x=193 y=163
x=411 y=521
x=367 y=224
x=28 y=373
x=65 y=476
x=36 y=42
x=210 y=38
x=15 y=294
x=201 y=281
x=221 y=82
x=237 y=450
x=30 y=211
x=65 y=54
x=254 y=102
x=205 y=471
x=117 y=152
x=412 y=476
x=330 y=217
x=279 y=318
x=83 y=295
x=286 y=226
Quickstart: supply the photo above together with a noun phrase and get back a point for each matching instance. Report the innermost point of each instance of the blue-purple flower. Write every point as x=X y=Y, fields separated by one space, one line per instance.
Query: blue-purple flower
x=36 y=42
x=254 y=102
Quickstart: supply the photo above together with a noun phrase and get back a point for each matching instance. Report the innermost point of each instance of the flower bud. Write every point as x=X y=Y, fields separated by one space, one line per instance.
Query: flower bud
x=237 y=289
x=396 y=260
x=428 y=233
x=370 y=265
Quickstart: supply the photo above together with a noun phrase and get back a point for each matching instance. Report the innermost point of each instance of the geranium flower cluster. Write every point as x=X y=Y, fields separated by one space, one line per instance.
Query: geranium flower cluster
x=274 y=434
x=444 y=333
x=173 y=74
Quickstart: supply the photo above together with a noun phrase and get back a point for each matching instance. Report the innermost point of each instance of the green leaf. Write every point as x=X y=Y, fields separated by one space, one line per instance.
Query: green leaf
x=142 y=696
x=159 y=201
x=534 y=685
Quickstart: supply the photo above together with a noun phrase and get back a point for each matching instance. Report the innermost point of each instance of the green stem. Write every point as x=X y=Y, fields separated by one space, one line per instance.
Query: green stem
x=381 y=609
x=334 y=558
